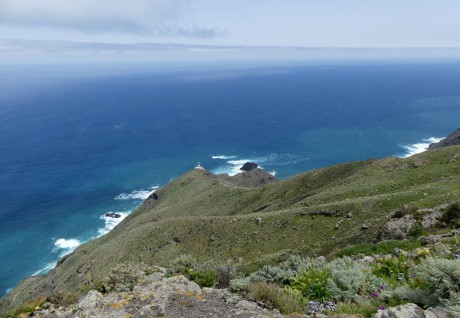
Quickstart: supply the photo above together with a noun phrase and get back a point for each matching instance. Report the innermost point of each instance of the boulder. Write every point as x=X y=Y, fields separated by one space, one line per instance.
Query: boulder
x=398 y=252
x=113 y=215
x=432 y=219
x=92 y=305
x=153 y=196
x=397 y=229
x=411 y=311
x=248 y=166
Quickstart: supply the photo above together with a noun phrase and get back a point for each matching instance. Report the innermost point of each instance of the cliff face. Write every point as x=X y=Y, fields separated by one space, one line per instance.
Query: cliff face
x=214 y=218
x=452 y=140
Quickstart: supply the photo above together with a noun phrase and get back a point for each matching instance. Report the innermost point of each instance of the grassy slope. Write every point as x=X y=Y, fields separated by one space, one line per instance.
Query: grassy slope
x=202 y=215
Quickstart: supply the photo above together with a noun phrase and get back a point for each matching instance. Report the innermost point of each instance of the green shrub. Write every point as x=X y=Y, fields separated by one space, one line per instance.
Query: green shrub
x=351 y=279
x=441 y=280
x=283 y=272
x=182 y=263
x=313 y=284
x=272 y=275
x=384 y=247
x=207 y=278
x=438 y=284
x=275 y=297
x=225 y=273
x=64 y=298
x=452 y=215
x=25 y=310
x=239 y=284
x=394 y=270
x=416 y=231
x=454 y=245
x=123 y=277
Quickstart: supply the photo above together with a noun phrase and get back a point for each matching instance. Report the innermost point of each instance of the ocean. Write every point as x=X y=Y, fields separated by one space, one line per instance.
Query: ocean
x=77 y=142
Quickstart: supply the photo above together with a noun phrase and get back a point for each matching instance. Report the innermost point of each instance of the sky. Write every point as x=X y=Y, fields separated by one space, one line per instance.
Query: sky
x=31 y=28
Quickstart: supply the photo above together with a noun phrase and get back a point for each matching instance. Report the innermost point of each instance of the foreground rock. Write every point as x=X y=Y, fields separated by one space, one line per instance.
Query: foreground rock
x=411 y=311
x=158 y=296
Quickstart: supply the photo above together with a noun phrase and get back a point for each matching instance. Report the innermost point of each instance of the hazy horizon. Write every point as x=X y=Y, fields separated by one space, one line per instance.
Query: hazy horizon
x=52 y=31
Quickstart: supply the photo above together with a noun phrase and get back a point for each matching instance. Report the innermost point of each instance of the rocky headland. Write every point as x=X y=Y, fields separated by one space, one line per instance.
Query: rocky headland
x=452 y=139
x=376 y=238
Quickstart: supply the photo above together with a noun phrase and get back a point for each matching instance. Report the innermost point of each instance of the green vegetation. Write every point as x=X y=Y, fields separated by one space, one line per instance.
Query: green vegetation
x=312 y=284
x=394 y=270
x=206 y=278
x=123 y=277
x=204 y=275
x=452 y=215
x=276 y=297
x=384 y=247
x=321 y=212
x=416 y=231
x=26 y=310
x=357 y=287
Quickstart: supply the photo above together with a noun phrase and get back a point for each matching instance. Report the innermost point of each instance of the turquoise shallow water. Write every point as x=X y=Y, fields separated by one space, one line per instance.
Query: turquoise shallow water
x=75 y=145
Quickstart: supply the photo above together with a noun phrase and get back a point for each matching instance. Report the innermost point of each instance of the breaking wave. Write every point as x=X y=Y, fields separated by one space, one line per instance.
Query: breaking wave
x=416 y=148
x=63 y=247
x=233 y=167
x=136 y=194
x=111 y=221
x=223 y=157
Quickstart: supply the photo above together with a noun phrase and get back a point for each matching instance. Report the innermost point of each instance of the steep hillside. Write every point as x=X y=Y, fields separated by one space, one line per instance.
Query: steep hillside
x=213 y=219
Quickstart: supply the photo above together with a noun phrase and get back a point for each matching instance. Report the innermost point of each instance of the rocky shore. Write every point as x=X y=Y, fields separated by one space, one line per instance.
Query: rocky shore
x=452 y=140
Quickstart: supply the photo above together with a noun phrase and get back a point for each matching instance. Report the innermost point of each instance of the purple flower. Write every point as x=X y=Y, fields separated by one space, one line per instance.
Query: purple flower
x=382 y=308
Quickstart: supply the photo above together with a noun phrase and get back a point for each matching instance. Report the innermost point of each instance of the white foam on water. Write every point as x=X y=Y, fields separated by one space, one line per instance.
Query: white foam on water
x=236 y=165
x=273 y=173
x=241 y=162
x=136 y=194
x=65 y=246
x=233 y=167
x=45 y=269
x=110 y=222
x=223 y=157
x=416 y=148
x=67 y=243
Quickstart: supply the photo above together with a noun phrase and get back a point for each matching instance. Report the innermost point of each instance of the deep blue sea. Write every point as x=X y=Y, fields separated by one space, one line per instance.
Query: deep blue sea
x=77 y=142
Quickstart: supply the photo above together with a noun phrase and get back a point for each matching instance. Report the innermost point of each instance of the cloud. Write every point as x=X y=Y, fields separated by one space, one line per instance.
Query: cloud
x=145 y=17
